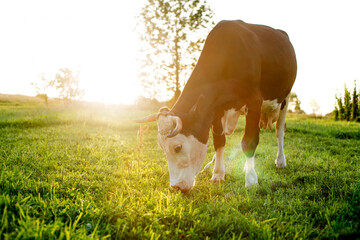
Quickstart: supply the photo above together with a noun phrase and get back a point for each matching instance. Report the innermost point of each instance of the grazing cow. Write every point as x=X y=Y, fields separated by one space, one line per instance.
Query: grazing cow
x=243 y=69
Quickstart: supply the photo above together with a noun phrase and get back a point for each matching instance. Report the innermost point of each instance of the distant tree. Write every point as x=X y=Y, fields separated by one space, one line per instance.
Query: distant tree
x=172 y=33
x=314 y=106
x=355 y=103
x=68 y=85
x=43 y=96
x=294 y=103
x=42 y=87
x=340 y=107
x=336 y=113
x=147 y=103
x=347 y=104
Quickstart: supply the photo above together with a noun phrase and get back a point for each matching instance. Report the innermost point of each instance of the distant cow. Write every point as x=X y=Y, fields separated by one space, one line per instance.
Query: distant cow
x=243 y=69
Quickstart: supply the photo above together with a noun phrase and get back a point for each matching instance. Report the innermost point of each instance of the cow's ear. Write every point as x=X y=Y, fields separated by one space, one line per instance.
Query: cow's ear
x=197 y=106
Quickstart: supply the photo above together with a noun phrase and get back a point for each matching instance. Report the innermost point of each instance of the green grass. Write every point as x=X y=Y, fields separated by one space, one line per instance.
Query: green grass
x=82 y=173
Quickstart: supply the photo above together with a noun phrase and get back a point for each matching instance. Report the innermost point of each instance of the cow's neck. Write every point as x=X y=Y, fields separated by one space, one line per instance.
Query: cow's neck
x=196 y=124
x=218 y=95
x=217 y=98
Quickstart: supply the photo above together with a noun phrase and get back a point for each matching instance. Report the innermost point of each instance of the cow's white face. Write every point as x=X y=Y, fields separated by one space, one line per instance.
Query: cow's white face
x=185 y=153
x=185 y=156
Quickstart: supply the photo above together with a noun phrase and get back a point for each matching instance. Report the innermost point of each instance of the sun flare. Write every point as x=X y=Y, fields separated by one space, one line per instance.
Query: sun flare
x=97 y=40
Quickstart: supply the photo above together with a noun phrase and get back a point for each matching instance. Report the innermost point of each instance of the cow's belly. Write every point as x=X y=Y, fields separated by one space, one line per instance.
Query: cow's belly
x=270 y=110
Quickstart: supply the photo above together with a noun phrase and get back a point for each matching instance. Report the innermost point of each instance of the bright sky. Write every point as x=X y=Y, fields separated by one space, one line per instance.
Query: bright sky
x=97 y=38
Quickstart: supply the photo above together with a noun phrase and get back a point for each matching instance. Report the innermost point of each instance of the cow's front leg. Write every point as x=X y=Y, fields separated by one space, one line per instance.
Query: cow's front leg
x=250 y=142
x=219 y=144
x=280 y=161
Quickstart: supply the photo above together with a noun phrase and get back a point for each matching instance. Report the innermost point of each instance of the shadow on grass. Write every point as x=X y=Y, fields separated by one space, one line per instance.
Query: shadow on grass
x=338 y=134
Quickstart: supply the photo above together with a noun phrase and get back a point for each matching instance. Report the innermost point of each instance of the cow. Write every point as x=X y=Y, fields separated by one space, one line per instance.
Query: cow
x=244 y=69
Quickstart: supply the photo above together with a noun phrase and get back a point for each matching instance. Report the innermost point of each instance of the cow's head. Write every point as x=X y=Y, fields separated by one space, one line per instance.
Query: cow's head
x=185 y=153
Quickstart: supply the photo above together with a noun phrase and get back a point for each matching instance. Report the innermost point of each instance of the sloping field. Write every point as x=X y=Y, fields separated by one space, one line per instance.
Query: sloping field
x=84 y=173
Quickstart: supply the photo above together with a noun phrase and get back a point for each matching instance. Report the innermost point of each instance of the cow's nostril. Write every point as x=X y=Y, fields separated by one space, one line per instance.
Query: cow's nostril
x=176 y=187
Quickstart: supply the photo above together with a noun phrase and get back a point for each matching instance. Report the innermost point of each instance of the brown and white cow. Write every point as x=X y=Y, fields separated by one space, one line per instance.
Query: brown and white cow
x=243 y=69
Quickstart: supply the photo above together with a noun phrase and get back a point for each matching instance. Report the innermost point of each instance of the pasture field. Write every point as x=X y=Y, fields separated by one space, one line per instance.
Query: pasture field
x=83 y=173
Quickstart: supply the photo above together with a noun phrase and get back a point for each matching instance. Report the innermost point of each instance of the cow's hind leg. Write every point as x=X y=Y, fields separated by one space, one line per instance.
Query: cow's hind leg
x=219 y=144
x=280 y=133
x=250 y=142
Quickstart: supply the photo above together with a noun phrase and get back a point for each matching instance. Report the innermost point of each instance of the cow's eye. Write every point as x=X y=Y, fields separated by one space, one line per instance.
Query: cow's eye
x=177 y=148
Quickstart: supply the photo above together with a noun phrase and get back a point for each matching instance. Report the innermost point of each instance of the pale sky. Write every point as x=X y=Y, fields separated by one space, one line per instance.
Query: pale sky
x=97 y=38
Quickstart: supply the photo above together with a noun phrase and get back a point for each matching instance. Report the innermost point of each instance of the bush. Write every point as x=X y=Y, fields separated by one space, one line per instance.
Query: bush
x=347 y=107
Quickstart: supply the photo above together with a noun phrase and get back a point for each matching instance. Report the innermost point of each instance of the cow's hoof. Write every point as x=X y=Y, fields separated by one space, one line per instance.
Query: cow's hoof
x=251 y=178
x=280 y=162
x=217 y=177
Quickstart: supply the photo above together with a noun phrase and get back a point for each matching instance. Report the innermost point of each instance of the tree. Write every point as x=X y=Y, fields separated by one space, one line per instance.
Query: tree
x=341 y=109
x=314 y=106
x=68 y=85
x=294 y=103
x=347 y=104
x=347 y=107
x=355 y=104
x=41 y=88
x=336 y=113
x=172 y=33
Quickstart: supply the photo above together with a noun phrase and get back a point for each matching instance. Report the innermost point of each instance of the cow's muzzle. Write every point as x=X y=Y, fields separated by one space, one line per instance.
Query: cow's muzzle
x=182 y=186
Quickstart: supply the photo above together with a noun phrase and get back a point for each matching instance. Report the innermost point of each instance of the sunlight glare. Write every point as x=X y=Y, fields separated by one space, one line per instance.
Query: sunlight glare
x=97 y=40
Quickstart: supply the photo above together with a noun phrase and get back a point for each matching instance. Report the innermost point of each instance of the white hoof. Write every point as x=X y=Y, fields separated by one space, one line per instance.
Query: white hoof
x=280 y=161
x=251 y=178
x=216 y=177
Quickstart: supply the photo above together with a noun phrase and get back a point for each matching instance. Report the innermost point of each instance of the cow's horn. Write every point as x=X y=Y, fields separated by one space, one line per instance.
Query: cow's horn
x=153 y=117
x=150 y=118
x=178 y=126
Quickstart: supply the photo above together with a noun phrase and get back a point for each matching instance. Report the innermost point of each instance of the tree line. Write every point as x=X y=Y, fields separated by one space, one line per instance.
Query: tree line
x=347 y=105
x=65 y=81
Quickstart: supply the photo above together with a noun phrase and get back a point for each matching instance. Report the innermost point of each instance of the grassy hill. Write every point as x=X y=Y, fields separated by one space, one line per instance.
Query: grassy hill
x=82 y=172
x=17 y=98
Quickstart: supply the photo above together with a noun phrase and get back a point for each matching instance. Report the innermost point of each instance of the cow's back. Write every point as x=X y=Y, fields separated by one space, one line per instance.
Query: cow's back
x=255 y=54
x=242 y=58
x=278 y=62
